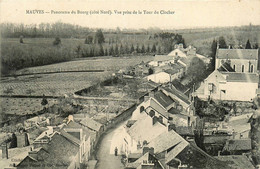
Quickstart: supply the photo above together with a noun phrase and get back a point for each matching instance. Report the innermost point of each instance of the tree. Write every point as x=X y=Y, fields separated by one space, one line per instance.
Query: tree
x=57 y=41
x=101 y=50
x=222 y=42
x=89 y=40
x=248 y=45
x=153 y=50
x=116 y=50
x=13 y=143
x=78 y=50
x=256 y=46
x=142 y=49
x=99 y=36
x=21 y=39
x=44 y=101
x=213 y=54
x=132 y=49
x=137 y=49
x=121 y=50
x=196 y=70
x=159 y=50
x=111 y=51
x=127 y=49
x=148 y=49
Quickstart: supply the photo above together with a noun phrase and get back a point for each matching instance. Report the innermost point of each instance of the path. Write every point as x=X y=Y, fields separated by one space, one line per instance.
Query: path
x=105 y=154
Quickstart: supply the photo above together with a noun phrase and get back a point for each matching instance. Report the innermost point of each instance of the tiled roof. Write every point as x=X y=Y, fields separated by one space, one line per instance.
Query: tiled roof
x=171 y=71
x=249 y=54
x=73 y=124
x=163 y=99
x=162 y=58
x=183 y=130
x=158 y=108
x=70 y=137
x=238 y=144
x=179 y=53
x=90 y=123
x=16 y=155
x=225 y=67
x=144 y=129
x=237 y=161
x=146 y=157
x=241 y=77
x=184 y=60
x=174 y=111
x=168 y=140
x=177 y=93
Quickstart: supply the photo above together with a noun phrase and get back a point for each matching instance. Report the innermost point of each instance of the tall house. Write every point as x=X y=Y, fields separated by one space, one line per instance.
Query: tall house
x=241 y=60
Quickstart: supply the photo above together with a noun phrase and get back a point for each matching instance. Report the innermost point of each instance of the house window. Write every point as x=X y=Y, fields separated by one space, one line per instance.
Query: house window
x=243 y=68
x=234 y=67
x=252 y=68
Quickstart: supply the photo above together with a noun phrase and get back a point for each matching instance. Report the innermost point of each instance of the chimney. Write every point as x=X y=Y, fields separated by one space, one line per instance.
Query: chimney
x=146 y=98
x=171 y=127
x=148 y=149
x=4 y=151
x=155 y=119
x=218 y=153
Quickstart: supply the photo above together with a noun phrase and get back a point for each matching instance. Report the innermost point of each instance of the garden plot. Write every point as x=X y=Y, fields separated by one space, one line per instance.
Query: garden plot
x=50 y=84
x=23 y=106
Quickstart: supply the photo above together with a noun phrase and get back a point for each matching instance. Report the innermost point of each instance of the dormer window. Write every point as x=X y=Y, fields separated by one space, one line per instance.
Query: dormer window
x=176 y=53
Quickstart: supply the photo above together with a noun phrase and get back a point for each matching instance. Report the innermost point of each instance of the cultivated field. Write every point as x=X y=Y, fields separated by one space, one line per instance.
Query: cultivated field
x=97 y=63
x=56 y=84
x=23 y=106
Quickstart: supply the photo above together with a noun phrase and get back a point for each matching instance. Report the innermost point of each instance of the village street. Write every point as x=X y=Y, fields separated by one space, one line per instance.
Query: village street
x=106 y=151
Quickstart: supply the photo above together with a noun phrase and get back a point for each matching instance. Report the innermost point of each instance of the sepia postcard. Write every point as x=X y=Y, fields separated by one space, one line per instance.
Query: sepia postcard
x=129 y=84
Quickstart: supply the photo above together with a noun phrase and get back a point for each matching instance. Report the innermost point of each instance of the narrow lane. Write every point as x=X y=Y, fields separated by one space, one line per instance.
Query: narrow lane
x=105 y=153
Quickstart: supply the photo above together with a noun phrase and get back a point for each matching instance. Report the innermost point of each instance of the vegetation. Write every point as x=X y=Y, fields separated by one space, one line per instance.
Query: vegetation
x=248 y=45
x=13 y=143
x=79 y=42
x=196 y=70
x=57 y=41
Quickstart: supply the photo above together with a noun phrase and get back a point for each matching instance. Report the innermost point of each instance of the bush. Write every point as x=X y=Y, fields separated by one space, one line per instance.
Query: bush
x=57 y=41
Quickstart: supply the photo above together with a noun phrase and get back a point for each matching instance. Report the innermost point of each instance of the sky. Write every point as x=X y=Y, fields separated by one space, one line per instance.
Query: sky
x=184 y=14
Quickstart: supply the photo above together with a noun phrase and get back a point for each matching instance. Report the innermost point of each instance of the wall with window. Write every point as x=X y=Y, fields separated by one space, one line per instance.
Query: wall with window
x=240 y=65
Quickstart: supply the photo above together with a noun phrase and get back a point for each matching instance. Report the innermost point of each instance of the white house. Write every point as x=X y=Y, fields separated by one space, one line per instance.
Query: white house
x=231 y=86
x=161 y=77
x=241 y=60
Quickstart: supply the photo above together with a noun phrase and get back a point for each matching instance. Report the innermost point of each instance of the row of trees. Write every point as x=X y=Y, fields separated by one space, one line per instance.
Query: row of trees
x=45 y=30
x=116 y=50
